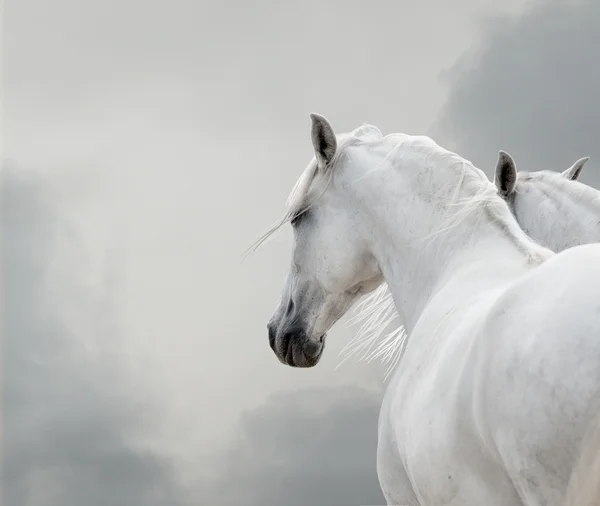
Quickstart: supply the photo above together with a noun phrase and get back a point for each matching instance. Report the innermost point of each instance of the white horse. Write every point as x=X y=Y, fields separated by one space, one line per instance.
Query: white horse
x=553 y=208
x=499 y=384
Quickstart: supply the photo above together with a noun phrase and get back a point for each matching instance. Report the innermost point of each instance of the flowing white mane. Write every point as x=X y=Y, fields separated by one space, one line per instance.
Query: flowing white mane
x=377 y=311
x=373 y=341
x=298 y=200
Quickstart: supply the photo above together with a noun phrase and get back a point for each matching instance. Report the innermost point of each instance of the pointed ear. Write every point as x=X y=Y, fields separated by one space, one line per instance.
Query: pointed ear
x=506 y=174
x=323 y=139
x=574 y=170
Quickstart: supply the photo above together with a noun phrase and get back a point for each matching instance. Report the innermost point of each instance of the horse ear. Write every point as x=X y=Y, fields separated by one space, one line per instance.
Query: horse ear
x=323 y=140
x=574 y=170
x=506 y=174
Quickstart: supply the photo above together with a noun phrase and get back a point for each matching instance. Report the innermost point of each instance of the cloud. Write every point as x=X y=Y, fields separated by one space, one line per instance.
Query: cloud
x=310 y=447
x=68 y=424
x=70 y=427
x=532 y=89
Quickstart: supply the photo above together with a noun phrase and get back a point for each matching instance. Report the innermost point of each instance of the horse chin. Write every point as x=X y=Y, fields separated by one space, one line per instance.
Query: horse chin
x=302 y=353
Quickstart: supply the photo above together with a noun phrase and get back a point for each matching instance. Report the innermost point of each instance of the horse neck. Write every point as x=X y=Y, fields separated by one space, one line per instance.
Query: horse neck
x=417 y=259
x=558 y=215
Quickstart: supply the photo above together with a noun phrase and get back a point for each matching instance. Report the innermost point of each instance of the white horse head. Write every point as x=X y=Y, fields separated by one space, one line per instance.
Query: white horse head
x=337 y=209
x=331 y=266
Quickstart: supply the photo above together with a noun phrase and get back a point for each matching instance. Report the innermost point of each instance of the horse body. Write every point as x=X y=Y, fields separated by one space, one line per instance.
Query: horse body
x=500 y=378
x=490 y=320
x=559 y=213
x=490 y=405
x=433 y=411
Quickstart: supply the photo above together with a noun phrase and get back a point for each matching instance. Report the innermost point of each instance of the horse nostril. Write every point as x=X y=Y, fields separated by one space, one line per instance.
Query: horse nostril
x=312 y=349
x=290 y=307
x=271 y=329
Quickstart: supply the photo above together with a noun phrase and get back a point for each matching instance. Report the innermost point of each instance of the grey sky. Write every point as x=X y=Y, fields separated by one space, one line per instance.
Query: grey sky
x=532 y=90
x=69 y=426
x=168 y=135
x=314 y=446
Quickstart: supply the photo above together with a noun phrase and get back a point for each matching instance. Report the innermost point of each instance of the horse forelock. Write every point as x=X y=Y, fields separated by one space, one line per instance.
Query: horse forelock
x=298 y=200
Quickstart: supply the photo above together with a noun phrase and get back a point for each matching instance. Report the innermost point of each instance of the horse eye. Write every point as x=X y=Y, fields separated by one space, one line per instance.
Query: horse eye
x=296 y=218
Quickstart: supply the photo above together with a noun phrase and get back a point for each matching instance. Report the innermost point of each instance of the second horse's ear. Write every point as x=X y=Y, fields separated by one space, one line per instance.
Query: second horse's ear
x=574 y=171
x=506 y=174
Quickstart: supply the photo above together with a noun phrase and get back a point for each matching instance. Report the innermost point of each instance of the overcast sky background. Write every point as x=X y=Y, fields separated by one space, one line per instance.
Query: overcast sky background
x=146 y=145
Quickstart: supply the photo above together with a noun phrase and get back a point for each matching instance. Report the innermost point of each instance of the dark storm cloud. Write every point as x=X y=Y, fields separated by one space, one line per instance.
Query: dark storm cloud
x=532 y=91
x=66 y=425
x=311 y=447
